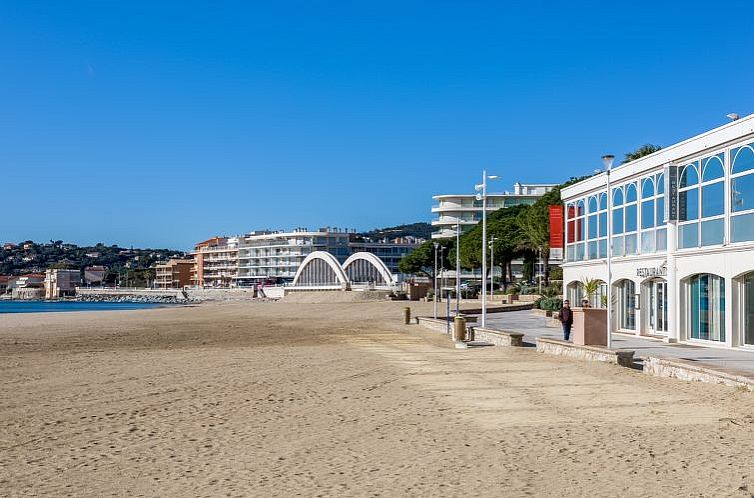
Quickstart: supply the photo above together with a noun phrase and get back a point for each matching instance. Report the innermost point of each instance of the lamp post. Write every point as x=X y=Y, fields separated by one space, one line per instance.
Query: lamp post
x=607 y=160
x=458 y=266
x=482 y=188
x=434 y=298
x=442 y=270
x=492 y=267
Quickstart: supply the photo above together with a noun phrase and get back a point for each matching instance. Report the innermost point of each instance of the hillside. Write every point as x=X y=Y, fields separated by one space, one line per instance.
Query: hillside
x=32 y=257
x=419 y=230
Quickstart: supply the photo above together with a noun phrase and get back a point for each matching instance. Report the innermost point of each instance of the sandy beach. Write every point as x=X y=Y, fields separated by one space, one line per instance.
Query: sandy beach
x=287 y=399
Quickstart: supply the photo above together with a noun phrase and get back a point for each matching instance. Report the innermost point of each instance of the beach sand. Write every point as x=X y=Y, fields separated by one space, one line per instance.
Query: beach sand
x=287 y=399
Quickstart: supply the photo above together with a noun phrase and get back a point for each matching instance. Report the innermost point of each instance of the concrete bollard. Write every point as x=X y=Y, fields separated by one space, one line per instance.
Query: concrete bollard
x=459 y=329
x=407 y=315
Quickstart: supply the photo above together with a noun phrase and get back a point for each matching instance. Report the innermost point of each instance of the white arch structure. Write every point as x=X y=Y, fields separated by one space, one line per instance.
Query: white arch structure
x=321 y=269
x=362 y=264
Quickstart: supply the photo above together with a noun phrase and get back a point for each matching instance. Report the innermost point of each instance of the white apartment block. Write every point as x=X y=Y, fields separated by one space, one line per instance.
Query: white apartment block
x=274 y=257
x=466 y=210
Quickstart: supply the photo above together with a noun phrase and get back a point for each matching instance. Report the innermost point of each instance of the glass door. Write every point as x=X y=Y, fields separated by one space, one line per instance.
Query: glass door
x=748 y=309
x=657 y=307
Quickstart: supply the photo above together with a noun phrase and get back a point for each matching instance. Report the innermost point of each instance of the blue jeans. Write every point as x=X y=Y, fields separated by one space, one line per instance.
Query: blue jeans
x=566 y=331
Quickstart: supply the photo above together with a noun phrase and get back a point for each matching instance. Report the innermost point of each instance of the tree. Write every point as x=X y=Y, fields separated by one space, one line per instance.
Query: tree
x=642 y=151
x=422 y=259
x=503 y=225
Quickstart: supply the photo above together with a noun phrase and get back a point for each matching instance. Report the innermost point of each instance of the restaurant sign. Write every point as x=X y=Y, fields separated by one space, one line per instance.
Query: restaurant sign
x=659 y=271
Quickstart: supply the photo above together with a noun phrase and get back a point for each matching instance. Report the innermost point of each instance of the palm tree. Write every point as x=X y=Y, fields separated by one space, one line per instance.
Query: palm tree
x=591 y=286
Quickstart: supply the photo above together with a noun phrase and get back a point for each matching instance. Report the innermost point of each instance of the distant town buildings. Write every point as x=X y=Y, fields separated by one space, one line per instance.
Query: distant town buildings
x=29 y=286
x=174 y=274
x=466 y=210
x=94 y=275
x=61 y=283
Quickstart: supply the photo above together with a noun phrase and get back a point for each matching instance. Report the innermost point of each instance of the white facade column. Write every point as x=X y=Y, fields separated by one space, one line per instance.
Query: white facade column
x=731 y=336
x=673 y=287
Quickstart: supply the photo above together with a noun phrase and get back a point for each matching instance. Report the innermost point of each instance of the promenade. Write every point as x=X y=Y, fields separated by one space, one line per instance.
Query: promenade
x=737 y=361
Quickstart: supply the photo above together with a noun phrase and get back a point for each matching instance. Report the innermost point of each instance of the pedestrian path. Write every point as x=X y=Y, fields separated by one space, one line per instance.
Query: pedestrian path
x=737 y=361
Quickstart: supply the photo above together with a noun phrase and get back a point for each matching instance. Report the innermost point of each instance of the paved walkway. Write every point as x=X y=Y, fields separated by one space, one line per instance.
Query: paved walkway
x=729 y=360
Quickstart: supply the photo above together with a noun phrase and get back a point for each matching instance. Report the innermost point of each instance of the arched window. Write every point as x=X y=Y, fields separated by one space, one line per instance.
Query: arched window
x=706 y=307
x=576 y=230
x=597 y=226
x=688 y=207
x=592 y=229
x=648 y=215
x=617 y=227
x=742 y=193
x=570 y=213
x=713 y=201
x=631 y=220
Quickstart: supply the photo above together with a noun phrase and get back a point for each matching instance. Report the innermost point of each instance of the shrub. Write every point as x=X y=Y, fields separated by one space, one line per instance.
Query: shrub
x=550 y=303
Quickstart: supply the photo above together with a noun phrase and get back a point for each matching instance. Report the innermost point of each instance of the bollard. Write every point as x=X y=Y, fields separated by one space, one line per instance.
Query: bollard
x=459 y=329
x=407 y=315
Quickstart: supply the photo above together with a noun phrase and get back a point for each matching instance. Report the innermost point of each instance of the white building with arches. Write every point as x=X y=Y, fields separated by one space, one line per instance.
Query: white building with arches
x=322 y=270
x=682 y=239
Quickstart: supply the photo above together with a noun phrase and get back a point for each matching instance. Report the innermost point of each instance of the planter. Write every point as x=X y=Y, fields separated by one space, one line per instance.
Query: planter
x=589 y=326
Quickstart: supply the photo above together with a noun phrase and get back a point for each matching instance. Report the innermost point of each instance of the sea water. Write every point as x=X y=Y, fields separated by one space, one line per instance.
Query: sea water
x=49 y=306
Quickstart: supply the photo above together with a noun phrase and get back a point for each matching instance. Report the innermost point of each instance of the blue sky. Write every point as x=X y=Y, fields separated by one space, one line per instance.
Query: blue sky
x=163 y=123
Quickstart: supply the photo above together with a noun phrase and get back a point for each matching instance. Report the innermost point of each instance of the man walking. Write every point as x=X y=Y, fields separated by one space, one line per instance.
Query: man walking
x=565 y=315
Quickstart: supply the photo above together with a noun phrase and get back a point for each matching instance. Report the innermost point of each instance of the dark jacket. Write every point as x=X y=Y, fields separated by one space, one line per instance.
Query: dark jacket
x=565 y=315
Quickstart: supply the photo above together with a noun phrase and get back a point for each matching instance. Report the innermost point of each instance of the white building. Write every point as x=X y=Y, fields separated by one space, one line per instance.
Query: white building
x=682 y=239
x=274 y=257
x=467 y=210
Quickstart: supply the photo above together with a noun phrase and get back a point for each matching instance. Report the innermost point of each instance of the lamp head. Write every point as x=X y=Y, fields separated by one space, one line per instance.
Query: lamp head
x=733 y=116
x=478 y=187
x=607 y=160
x=493 y=177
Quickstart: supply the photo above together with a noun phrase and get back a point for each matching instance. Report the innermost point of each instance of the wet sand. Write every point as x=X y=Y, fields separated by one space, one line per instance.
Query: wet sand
x=276 y=399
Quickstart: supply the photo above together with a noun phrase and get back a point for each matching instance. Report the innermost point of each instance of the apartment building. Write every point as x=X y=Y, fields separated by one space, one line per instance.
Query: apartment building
x=466 y=210
x=274 y=256
x=174 y=274
x=215 y=262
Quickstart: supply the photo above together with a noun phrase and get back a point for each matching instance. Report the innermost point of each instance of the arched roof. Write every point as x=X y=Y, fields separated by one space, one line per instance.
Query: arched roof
x=375 y=261
x=327 y=258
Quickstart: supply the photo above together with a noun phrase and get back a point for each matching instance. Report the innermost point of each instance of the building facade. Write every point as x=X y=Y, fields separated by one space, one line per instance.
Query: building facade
x=61 y=283
x=466 y=210
x=681 y=228
x=273 y=257
x=174 y=274
x=215 y=262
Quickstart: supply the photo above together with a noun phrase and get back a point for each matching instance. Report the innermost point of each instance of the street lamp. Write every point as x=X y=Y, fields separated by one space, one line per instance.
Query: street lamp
x=492 y=267
x=482 y=188
x=434 y=298
x=457 y=226
x=607 y=160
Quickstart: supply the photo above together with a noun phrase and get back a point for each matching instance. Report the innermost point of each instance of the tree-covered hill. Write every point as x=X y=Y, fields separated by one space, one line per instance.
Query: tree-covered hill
x=32 y=257
x=420 y=230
